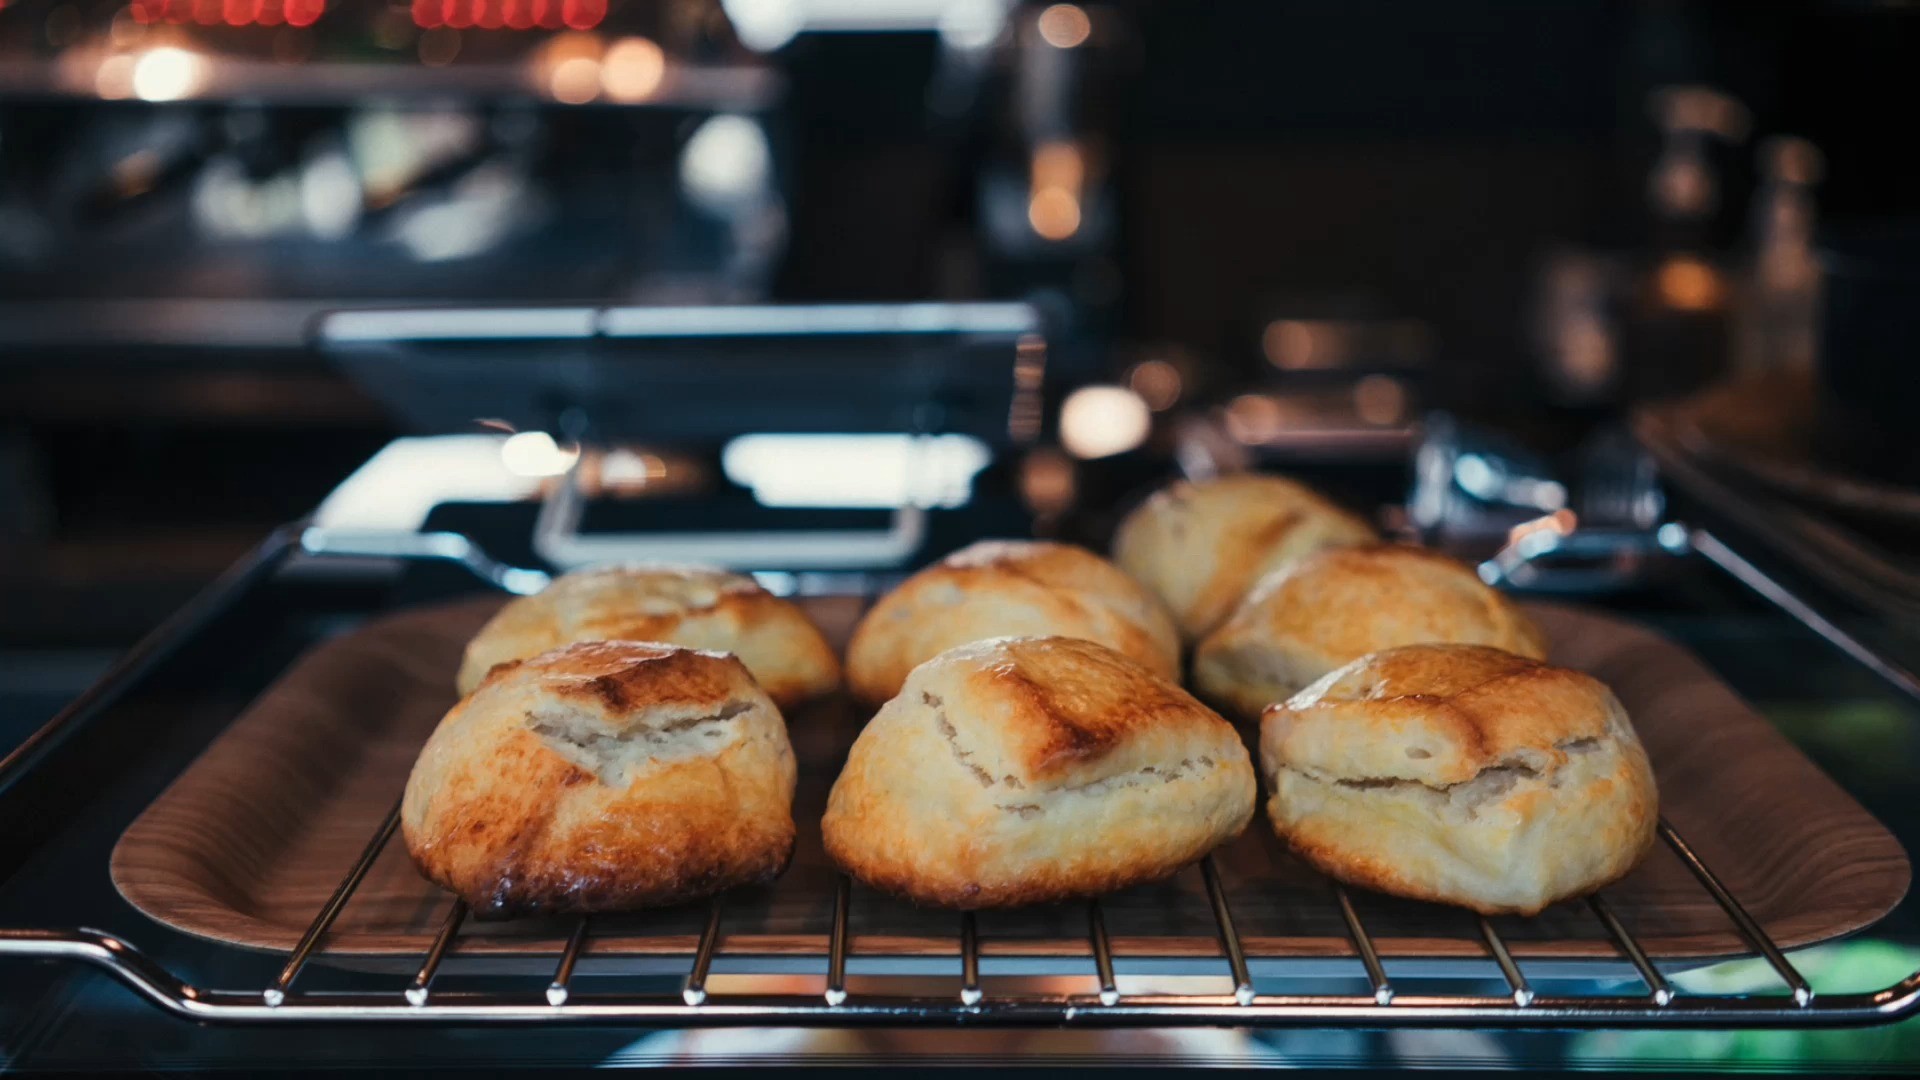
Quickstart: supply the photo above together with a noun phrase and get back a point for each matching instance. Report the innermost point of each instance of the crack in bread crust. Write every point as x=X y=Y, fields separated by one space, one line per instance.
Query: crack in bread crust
x=1171 y=780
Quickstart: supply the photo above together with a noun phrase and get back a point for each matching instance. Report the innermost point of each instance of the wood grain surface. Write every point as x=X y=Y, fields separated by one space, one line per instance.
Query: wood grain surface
x=248 y=843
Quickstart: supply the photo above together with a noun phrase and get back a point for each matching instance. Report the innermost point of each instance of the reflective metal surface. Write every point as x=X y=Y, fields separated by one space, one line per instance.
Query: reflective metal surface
x=697 y=1005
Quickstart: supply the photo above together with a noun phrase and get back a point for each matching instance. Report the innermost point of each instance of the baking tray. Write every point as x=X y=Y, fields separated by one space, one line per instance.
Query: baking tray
x=256 y=834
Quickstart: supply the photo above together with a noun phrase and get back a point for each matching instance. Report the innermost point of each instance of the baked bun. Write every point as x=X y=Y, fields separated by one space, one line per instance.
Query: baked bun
x=1338 y=605
x=603 y=776
x=1022 y=770
x=695 y=606
x=1201 y=546
x=998 y=588
x=1461 y=774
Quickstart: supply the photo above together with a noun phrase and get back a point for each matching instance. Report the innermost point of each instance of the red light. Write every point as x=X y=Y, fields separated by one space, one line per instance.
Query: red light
x=140 y=12
x=545 y=14
x=303 y=12
x=206 y=12
x=488 y=17
x=583 y=14
x=238 y=12
x=426 y=14
x=516 y=15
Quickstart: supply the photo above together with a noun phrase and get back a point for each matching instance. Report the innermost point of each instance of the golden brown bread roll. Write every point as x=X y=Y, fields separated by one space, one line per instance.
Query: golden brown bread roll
x=1000 y=588
x=695 y=606
x=1200 y=546
x=1022 y=770
x=603 y=776
x=1338 y=605
x=1461 y=774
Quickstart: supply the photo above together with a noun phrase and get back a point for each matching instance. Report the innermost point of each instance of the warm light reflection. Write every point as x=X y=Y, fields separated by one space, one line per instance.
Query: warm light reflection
x=575 y=80
x=534 y=453
x=1057 y=176
x=1157 y=382
x=1047 y=482
x=1100 y=421
x=1288 y=343
x=1054 y=213
x=167 y=73
x=633 y=69
x=1380 y=400
x=1559 y=523
x=623 y=468
x=135 y=174
x=509 y=14
x=1688 y=284
x=582 y=14
x=114 y=80
x=1058 y=164
x=1254 y=419
x=228 y=12
x=568 y=67
x=1065 y=26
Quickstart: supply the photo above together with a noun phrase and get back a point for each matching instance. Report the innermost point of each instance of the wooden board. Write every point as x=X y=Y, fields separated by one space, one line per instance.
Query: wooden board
x=248 y=843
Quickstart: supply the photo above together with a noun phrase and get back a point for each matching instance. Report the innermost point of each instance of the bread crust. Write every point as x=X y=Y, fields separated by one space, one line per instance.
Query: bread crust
x=603 y=776
x=1023 y=770
x=1337 y=605
x=695 y=606
x=1000 y=588
x=1201 y=546
x=1460 y=774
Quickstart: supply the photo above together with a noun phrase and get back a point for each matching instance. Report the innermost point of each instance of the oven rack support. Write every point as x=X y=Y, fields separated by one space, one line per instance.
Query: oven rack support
x=836 y=1005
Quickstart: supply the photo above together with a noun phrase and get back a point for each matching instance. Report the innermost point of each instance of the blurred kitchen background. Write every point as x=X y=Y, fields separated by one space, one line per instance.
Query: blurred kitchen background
x=1310 y=234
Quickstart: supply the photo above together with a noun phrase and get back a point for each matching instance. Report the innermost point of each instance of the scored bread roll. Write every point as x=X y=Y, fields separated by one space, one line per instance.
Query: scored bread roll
x=1461 y=774
x=1001 y=588
x=1338 y=605
x=695 y=606
x=1200 y=546
x=603 y=776
x=1022 y=770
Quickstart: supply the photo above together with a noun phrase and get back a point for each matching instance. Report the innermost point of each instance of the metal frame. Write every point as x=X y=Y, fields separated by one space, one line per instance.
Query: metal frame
x=557 y=539
x=1385 y=1005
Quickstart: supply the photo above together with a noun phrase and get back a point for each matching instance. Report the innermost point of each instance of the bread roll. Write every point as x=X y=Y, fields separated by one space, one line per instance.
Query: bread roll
x=1461 y=774
x=1340 y=604
x=1022 y=770
x=695 y=606
x=603 y=776
x=1201 y=546
x=1006 y=588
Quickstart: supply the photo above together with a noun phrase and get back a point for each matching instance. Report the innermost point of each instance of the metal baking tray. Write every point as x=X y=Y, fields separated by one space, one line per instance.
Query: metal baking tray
x=1761 y=852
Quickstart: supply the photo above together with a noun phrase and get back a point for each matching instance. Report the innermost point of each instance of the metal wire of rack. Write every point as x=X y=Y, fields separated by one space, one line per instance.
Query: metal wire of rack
x=835 y=1005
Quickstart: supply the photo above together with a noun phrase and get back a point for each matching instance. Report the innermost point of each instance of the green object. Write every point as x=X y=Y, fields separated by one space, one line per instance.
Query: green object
x=1844 y=967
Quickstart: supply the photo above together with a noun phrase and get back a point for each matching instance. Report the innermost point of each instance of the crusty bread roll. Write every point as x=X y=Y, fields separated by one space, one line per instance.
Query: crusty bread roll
x=1338 y=605
x=695 y=606
x=1000 y=588
x=1022 y=770
x=1461 y=774
x=603 y=776
x=1201 y=546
